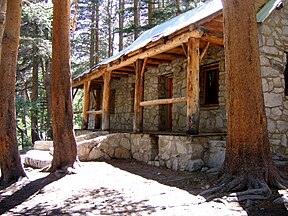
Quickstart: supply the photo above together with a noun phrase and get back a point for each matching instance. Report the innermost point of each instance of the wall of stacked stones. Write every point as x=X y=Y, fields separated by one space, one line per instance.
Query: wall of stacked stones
x=273 y=41
x=212 y=119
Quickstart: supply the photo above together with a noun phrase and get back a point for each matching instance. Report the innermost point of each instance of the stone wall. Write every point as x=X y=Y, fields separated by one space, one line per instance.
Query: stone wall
x=122 y=117
x=273 y=40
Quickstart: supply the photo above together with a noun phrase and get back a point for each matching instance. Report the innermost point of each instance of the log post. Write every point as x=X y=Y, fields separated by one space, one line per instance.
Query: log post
x=106 y=101
x=139 y=94
x=97 y=107
x=86 y=104
x=193 y=112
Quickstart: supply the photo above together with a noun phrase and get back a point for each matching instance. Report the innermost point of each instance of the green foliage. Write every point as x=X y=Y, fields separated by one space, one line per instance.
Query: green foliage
x=35 y=48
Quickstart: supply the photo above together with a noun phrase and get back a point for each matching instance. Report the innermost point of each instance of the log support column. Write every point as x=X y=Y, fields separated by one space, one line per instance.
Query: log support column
x=140 y=65
x=193 y=88
x=86 y=104
x=106 y=101
x=97 y=107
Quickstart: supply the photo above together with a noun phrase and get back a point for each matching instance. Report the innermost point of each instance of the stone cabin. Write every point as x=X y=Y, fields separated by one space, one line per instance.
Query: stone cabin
x=144 y=87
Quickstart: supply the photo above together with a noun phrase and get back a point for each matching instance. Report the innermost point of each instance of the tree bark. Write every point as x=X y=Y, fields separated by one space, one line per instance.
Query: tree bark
x=97 y=33
x=11 y=168
x=34 y=96
x=121 y=23
x=150 y=13
x=193 y=107
x=3 y=8
x=248 y=166
x=92 y=35
x=106 y=101
x=136 y=19
x=64 y=143
x=48 y=97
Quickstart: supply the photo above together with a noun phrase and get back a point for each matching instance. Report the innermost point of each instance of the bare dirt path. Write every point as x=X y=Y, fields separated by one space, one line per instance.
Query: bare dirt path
x=121 y=187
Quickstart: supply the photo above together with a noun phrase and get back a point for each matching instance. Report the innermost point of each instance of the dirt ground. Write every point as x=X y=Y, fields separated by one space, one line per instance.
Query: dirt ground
x=123 y=187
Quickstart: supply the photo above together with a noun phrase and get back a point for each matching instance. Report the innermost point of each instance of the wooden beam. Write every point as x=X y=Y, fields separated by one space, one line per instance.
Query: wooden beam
x=106 y=101
x=193 y=87
x=163 y=101
x=172 y=43
x=94 y=112
x=213 y=40
x=168 y=56
x=204 y=51
x=139 y=94
x=157 y=61
x=86 y=104
x=93 y=74
x=75 y=92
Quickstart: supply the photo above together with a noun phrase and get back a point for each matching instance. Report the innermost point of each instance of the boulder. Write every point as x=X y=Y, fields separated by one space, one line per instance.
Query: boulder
x=194 y=165
x=215 y=155
x=37 y=159
x=43 y=145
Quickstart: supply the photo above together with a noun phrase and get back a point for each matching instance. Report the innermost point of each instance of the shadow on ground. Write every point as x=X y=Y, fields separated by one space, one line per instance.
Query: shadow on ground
x=100 y=201
x=8 y=202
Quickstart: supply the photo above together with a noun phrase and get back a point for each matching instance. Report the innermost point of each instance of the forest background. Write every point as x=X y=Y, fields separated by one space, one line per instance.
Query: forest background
x=99 y=29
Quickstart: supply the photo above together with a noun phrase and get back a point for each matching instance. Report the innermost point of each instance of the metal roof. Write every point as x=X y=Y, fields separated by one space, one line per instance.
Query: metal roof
x=167 y=28
x=267 y=10
x=164 y=29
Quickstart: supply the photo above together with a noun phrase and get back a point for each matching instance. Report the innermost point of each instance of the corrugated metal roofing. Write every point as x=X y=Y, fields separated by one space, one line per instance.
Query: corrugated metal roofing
x=267 y=10
x=167 y=28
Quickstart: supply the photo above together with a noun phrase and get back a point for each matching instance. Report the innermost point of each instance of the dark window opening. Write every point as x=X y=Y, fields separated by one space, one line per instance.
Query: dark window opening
x=286 y=75
x=165 y=90
x=209 y=85
x=112 y=101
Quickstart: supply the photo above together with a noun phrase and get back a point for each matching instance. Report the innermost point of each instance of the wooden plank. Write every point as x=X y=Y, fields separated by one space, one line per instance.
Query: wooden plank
x=213 y=40
x=139 y=94
x=106 y=101
x=193 y=88
x=94 y=112
x=204 y=51
x=86 y=104
x=163 y=101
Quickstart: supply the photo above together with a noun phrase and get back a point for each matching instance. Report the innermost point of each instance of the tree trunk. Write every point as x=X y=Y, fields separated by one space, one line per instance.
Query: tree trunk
x=136 y=19
x=92 y=35
x=248 y=164
x=3 y=8
x=47 y=75
x=150 y=14
x=64 y=143
x=121 y=23
x=97 y=33
x=34 y=96
x=11 y=168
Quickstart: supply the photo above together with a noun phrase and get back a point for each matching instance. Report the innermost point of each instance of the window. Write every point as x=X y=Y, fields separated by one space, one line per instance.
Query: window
x=286 y=75
x=209 y=85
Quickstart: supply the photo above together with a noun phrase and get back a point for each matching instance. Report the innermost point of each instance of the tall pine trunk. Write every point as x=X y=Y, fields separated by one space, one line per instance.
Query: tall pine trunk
x=92 y=34
x=121 y=24
x=248 y=149
x=34 y=96
x=248 y=167
x=64 y=143
x=136 y=19
x=3 y=8
x=11 y=168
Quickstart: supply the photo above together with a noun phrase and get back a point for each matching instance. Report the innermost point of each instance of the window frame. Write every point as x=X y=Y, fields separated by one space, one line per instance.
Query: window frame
x=203 y=85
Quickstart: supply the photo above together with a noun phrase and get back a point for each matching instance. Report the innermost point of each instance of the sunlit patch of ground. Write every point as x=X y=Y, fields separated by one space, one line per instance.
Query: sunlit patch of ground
x=100 y=188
